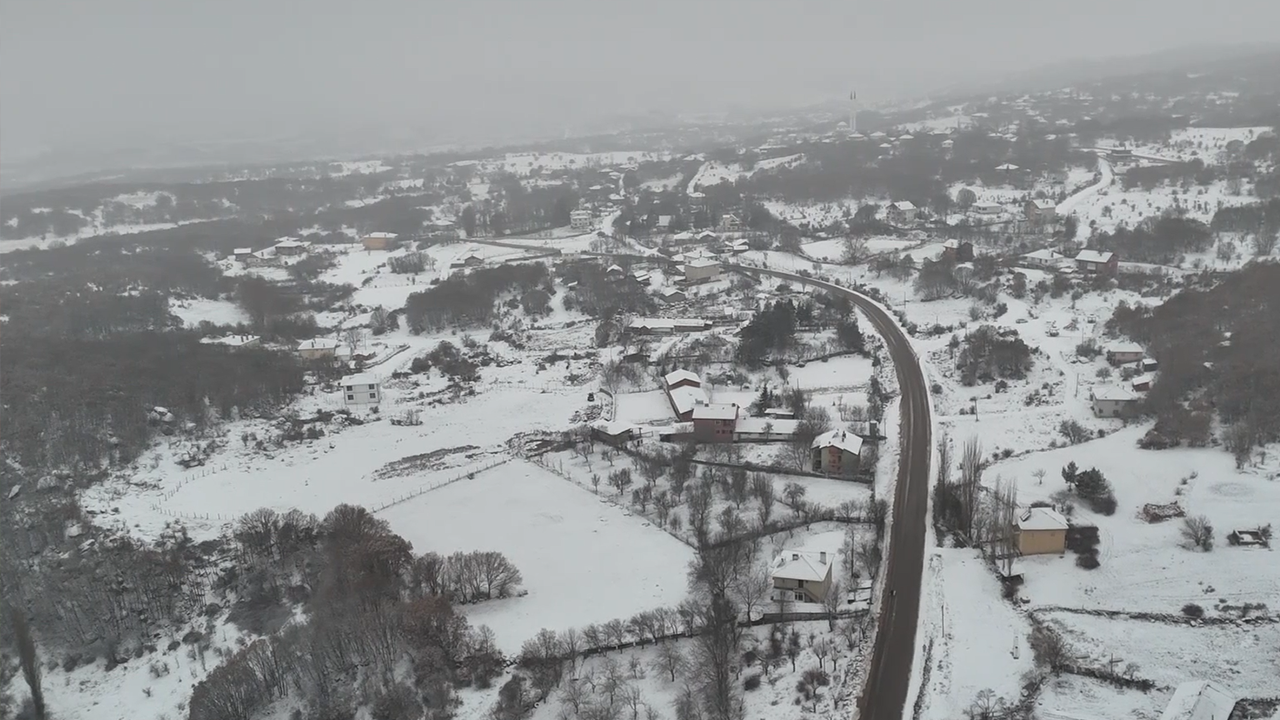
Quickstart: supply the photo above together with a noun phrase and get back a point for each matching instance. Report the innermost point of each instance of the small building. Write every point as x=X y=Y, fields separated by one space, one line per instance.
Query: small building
x=581 y=220
x=836 y=452
x=241 y=254
x=1199 y=700
x=739 y=246
x=259 y=258
x=615 y=272
x=1097 y=262
x=681 y=378
x=706 y=236
x=1045 y=259
x=1042 y=531
x=958 y=250
x=801 y=576
x=1142 y=383
x=714 y=422
x=903 y=212
x=1150 y=365
x=1113 y=401
x=613 y=432
x=780 y=414
x=1041 y=211
x=379 y=241
x=672 y=295
x=317 y=348
x=472 y=259
x=729 y=222
x=233 y=341
x=987 y=208
x=361 y=390
x=289 y=247
x=667 y=326
x=701 y=270
x=683 y=238
x=664 y=222
x=1123 y=353
x=684 y=392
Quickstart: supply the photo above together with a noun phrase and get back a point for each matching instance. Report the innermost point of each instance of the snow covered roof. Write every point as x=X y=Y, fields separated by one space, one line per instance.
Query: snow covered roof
x=360 y=379
x=842 y=439
x=702 y=263
x=384 y=235
x=676 y=376
x=1141 y=380
x=1124 y=347
x=1044 y=204
x=801 y=565
x=318 y=344
x=292 y=243
x=614 y=268
x=904 y=205
x=242 y=251
x=1113 y=393
x=686 y=235
x=1199 y=700
x=1042 y=518
x=230 y=340
x=706 y=235
x=672 y=292
x=687 y=398
x=716 y=411
x=1094 y=256
x=1044 y=254
x=1007 y=167
x=613 y=427
x=664 y=220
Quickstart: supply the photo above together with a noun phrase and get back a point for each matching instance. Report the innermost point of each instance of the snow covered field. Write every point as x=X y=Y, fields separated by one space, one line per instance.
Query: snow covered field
x=1204 y=143
x=194 y=311
x=581 y=558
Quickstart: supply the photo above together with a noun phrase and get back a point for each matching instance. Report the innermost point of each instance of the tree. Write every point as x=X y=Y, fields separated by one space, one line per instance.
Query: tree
x=870 y=556
x=832 y=602
x=620 y=480
x=27 y=660
x=669 y=660
x=849 y=335
x=794 y=492
x=965 y=198
x=762 y=488
x=1197 y=533
x=469 y=221
x=751 y=588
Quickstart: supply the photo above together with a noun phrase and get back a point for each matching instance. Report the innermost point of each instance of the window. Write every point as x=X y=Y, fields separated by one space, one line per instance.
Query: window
x=373 y=396
x=799 y=583
x=800 y=597
x=349 y=388
x=351 y=396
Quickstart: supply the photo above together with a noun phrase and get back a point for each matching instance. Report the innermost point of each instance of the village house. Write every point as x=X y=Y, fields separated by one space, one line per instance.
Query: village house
x=361 y=390
x=739 y=246
x=1045 y=259
x=1199 y=700
x=706 y=236
x=836 y=452
x=581 y=220
x=1142 y=383
x=292 y=247
x=1113 y=401
x=1042 y=531
x=1123 y=353
x=664 y=222
x=615 y=272
x=613 y=432
x=233 y=341
x=672 y=295
x=683 y=238
x=729 y=223
x=317 y=348
x=701 y=270
x=667 y=326
x=714 y=422
x=957 y=250
x=986 y=208
x=259 y=258
x=903 y=212
x=1096 y=262
x=242 y=254
x=684 y=392
x=801 y=576
x=1041 y=211
x=379 y=241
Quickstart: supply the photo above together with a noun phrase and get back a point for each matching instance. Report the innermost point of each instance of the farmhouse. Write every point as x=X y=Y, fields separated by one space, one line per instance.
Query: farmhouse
x=699 y=271
x=1122 y=353
x=1042 y=531
x=1041 y=211
x=836 y=452
x=1097 y=262
x=684 y=392
x=290 y=247
x=580 y=220
x=729 y=223
x=233 y=341
x=1199 y=700
x=1113 y=401
x=682 y=238
x=672 y=295
x=360 y=390
x=958 y=250
x=379 y=241
x=317 y=348
x=667 y=326
x=1046 y=258
x=987 y=208
x=902 y=212
x=242 y=254
x=613 y=432
x=1141 y=383
x=714 y=422
x=801 y=576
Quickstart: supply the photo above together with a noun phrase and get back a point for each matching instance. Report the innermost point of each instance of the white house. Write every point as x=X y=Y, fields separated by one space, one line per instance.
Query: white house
x=233 y=341
x=901 y=213
x=696 y=271
x=581 y=220
x=987 y=208
x=361 y=390
x=1046 y=258
x=317 y=348
x=1112 y=401
x=801 y=576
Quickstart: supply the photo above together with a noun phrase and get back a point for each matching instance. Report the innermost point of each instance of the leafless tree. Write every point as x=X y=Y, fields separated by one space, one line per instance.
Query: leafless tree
x=970 y=486
x=762 y=488
x=669 y=660
x=751 y=587
x=1197 y=533
x=794 y=492
x=832 y=602
x=870 y=556
x=821 y=649
x=27 y=660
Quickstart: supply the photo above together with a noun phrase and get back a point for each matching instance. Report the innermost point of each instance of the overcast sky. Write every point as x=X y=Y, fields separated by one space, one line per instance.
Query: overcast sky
x=106 y=71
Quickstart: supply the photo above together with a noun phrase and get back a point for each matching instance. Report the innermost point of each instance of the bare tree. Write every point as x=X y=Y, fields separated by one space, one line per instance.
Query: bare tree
x=870 y=556
x=354 y=338
x=1197 y=533
x=821 y=649
x=669 y=660
x=27 y=660
x=794 y=492
x=620 y=480
x=970 y=486
x=751 y=587
x=762 y=488
x=832 y=602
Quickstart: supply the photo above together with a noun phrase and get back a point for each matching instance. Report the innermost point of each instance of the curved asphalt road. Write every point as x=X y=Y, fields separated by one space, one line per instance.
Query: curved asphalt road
x=889 y=678
x=885 y=694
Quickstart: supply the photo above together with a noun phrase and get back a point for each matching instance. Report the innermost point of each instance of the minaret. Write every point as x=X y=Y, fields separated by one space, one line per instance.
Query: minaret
x=853 y=112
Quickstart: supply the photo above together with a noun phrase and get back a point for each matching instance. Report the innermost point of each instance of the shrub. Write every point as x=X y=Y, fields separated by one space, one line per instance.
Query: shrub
x=1088 y=561
x=751 y=683
x=1193 y=610
x=1197 y=533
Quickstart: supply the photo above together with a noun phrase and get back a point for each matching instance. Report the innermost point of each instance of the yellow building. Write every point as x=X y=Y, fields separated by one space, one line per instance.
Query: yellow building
x=1042 y=531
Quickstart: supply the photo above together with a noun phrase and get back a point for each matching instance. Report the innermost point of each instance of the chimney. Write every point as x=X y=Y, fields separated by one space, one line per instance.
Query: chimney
x=795 y=556
x=823 y=557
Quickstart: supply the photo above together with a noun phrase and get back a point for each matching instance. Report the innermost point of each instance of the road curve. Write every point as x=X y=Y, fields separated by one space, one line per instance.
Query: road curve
x=889 y=678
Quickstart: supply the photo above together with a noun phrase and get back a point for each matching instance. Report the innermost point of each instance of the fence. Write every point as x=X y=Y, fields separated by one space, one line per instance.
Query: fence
x=437 y=485
x=187 y=480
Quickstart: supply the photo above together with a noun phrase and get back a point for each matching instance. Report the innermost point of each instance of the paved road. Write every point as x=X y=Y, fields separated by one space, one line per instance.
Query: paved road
x=888 y=681
x=885 y=694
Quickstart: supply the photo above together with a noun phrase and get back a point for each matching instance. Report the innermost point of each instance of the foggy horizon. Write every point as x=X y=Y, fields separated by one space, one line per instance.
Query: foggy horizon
x=89 y=74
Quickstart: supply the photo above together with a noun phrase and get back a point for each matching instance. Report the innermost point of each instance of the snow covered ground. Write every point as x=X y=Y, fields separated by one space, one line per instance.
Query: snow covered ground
x=194 y=311
x=1204 y=143
x=714 y=173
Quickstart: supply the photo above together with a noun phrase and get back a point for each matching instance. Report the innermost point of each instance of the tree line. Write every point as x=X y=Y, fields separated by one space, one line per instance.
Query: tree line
x=467 y=300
